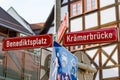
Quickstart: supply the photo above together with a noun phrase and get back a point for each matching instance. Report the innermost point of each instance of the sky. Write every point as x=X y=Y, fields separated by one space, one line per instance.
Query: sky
x=33 y=11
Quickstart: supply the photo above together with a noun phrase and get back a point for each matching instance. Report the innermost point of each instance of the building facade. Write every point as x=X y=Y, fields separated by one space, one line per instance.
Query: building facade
x=92 y=15
x=17 y=64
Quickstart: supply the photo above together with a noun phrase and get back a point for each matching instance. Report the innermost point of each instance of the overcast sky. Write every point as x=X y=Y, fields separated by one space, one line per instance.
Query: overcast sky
x=33 y=11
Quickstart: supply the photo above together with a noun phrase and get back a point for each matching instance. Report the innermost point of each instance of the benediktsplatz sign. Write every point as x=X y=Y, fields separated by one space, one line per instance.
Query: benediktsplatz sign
x=91 y=36
x=28 y=42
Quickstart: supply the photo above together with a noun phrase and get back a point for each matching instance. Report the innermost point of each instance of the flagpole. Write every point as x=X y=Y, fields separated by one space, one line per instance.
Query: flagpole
x=57 y=17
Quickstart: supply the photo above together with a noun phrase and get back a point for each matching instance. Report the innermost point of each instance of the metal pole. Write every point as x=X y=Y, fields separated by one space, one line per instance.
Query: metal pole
x=57 y=16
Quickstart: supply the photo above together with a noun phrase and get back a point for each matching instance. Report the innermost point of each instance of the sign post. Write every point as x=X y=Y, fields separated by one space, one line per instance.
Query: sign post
x=64 y=65
x=28 y=42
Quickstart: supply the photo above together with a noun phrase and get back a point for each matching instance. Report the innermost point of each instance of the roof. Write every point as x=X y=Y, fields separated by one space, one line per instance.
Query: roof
x=18 y=18
x=37 y=27
x=9 y=22
x=48 y=22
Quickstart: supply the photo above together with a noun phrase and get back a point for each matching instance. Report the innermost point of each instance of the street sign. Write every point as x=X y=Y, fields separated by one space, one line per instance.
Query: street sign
x=64 y=65
x=62 y=29
x=91 y=36
x=28 y=42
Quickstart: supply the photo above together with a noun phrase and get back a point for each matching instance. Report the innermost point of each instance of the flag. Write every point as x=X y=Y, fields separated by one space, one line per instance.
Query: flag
x=64 y=65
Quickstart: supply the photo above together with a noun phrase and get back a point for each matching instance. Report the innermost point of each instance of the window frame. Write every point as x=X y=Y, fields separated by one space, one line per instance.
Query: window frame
x=74 y=48
x=76 y=4
x=1 y=61
x=91 y=9
x=3 y=36
x=27 y=76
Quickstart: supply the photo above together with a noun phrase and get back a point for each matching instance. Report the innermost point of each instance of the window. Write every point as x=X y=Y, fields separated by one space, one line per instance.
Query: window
x=106 y=15
x=79 y=8
x=27 y=76
x=78 y=47
x=76 y=8
x=88 y=21
x=104 y=3
x=2 y=67
x=1 y=38
x=37 y=56
x=90 y=5
x=93 y=4
x=2 y=35
x=1 y=61
x=76 y=24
